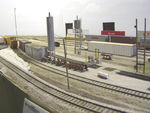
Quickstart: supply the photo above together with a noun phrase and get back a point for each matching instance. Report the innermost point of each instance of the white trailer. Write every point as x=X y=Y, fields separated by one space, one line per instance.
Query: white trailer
x=113 y=48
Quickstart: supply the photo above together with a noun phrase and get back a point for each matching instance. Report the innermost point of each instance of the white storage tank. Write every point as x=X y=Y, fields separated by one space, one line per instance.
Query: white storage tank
x=103 y=75
x=113 y=48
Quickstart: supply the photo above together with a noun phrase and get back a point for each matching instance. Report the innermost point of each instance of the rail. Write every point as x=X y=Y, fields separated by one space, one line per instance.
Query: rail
x=63 y=96
x=115 y=88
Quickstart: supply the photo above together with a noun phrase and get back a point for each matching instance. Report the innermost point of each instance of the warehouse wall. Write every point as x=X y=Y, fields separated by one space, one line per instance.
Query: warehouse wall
x=11 y=98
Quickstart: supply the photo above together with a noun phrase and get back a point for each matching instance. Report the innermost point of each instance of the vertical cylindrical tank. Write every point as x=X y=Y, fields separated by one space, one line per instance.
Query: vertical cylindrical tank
x=77 y=24
x=50 y=33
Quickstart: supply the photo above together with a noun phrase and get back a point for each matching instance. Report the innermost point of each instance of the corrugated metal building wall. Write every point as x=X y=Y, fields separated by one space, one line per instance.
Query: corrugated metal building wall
x=35 y=51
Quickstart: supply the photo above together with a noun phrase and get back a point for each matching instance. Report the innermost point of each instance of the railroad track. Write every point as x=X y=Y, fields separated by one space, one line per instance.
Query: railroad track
x=84 y=104
x=123 y=90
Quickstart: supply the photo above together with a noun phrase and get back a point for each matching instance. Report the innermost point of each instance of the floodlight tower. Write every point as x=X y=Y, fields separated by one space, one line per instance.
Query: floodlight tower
x=15 y=21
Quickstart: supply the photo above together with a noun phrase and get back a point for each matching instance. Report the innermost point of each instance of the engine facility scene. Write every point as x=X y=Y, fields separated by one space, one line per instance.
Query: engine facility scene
x=80 y=70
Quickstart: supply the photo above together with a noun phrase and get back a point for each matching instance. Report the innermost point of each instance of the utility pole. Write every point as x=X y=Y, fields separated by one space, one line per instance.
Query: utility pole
x=66 y=63
x=98 y=53
x=137 y=43
x=144 y=45
x=15 y=21
x=96 y=57
x=75 y=46
x=80 y=36
x=136 y=26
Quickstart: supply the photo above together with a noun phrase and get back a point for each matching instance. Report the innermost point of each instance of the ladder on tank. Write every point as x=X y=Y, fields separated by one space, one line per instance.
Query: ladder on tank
x=78 y=41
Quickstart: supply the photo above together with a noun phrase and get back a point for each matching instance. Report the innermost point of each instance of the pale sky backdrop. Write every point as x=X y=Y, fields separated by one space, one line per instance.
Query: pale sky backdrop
x=31 y=15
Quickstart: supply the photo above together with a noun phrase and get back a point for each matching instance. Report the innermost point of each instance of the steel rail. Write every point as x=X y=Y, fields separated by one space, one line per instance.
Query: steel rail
x=128 y=91
x=64 y=96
